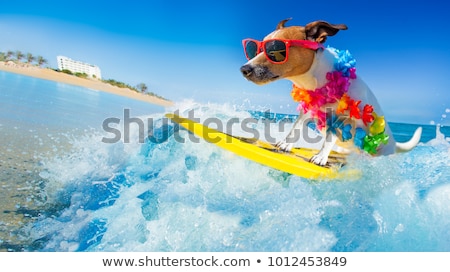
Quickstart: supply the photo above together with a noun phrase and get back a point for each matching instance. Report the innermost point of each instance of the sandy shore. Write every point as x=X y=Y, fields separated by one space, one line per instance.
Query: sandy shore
x=48 y=74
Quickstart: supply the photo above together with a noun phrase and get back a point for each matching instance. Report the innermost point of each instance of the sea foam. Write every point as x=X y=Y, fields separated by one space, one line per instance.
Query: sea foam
x=194 y=196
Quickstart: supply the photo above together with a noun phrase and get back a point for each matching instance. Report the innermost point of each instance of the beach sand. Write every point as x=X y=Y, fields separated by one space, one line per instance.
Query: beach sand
x=49 y=74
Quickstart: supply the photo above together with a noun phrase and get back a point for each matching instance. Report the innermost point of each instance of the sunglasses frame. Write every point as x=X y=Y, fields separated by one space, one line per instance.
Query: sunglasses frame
x=260 y=47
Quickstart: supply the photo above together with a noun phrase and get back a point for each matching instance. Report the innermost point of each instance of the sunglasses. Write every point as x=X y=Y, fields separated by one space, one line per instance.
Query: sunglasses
x=275 y=50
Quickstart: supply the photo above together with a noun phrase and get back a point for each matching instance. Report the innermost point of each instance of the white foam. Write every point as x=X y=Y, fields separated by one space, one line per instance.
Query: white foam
x=203 y=198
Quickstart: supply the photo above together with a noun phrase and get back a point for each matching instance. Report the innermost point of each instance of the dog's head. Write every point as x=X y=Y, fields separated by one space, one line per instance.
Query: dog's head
x=261 y=70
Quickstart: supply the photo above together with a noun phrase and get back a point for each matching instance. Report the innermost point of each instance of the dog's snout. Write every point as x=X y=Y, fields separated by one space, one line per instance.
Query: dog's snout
x=246 y=70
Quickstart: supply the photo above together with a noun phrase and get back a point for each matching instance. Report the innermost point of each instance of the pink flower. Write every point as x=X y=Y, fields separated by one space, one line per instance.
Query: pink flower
x=321 y=118
x=352 y=73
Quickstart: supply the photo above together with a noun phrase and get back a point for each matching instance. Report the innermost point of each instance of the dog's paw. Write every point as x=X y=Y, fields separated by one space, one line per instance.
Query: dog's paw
x=283 y=146
x=319 y=159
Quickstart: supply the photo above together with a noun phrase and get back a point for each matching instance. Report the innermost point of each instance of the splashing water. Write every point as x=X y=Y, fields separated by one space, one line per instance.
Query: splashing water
x=173 y=196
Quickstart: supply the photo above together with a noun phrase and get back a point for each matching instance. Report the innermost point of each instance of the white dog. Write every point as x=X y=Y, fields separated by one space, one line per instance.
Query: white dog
x=326 y=87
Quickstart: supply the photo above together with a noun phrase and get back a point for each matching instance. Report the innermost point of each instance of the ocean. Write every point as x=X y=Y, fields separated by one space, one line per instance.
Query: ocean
x=83 y=170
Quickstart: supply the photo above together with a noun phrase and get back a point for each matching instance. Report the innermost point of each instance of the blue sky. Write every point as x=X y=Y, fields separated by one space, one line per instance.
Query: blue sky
x=192 y=49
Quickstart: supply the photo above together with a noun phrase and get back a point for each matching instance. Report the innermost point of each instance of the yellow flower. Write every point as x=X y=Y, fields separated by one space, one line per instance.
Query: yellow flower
x=343 y=104
x=378 y=124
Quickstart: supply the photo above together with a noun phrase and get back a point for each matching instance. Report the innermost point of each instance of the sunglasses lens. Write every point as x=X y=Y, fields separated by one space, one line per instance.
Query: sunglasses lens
x=251 y=49
x=275 y=50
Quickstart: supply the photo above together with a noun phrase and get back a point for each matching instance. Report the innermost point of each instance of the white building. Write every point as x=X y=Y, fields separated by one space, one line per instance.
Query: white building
x=65 y=63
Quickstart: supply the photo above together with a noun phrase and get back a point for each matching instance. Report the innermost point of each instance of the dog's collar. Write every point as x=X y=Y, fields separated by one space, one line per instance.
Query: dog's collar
x=335 y=91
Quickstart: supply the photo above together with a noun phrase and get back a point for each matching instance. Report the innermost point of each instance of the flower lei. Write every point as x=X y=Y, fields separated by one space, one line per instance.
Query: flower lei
x=335 y=91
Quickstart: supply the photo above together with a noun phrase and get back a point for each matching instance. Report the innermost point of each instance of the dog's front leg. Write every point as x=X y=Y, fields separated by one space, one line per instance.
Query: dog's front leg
x=322 y=157
x=287 y=143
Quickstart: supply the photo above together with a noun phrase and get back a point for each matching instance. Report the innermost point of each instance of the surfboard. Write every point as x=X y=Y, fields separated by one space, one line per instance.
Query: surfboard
x=295 y=162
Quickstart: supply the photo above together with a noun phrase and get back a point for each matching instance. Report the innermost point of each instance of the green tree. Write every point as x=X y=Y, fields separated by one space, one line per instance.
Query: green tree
x=2 y=56
x=40 y=60
x=117 y=83
x=30 y=58
x=142 y=87
x=82 y=75
x=67 y=72
x=19 y=55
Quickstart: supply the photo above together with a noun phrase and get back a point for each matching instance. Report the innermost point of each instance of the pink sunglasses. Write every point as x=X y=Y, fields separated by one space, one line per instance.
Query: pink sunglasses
x=275 y=50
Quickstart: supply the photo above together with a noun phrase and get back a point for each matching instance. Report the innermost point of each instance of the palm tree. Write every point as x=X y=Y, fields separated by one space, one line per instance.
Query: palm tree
x=9 y=54
x=142 y=87
x=30 y=58
x=41 y=60
x=19 y=55
x=2 y=56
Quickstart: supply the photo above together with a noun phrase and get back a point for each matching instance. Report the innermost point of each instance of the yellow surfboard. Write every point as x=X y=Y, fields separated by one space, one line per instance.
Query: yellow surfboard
x=295 y=162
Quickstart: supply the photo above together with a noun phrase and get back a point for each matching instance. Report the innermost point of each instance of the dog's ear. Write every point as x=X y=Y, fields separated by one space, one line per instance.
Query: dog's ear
x=318 y=31
x=282 y=22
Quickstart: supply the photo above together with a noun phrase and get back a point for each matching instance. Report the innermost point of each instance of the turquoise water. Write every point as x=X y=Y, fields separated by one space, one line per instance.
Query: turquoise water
x=165 y=195
x=34 y=102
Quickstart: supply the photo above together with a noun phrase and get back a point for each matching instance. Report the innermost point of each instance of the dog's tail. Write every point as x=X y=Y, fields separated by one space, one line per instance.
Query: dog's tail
x=404 y=147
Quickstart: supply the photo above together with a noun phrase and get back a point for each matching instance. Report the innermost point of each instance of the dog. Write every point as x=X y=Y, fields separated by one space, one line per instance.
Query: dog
x=326 y=87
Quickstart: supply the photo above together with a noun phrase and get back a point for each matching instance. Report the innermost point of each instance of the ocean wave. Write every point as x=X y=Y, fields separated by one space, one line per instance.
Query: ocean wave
x=165 y=195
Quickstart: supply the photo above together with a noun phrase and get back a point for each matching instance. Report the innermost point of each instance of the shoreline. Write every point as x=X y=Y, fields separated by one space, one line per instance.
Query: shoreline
x=49 y=74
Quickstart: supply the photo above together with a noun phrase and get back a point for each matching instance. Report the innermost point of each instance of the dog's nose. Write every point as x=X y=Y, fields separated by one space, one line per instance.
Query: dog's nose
x=246 y=70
